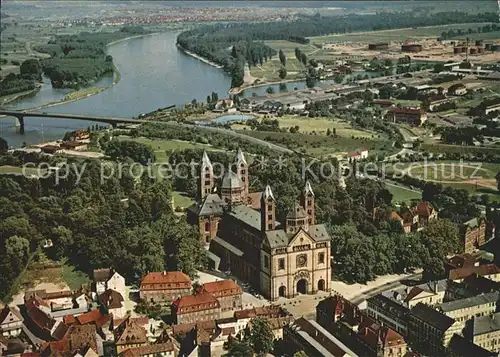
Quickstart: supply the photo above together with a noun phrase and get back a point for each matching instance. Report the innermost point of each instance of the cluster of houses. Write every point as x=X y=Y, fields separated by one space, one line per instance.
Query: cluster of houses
x=77 y=141
x=473 y=233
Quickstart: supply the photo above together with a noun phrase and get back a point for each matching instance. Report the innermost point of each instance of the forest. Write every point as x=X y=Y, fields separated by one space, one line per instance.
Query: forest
x=214 y=42
x=117 y=222
x=78 y=60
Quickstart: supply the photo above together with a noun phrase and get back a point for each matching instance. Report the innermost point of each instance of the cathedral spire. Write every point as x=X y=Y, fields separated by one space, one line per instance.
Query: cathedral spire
x=205 y=161
x=240 y=157
x=268 y=193
x=308 y=189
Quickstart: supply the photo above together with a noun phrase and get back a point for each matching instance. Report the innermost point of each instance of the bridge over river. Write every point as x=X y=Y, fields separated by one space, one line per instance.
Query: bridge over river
x=21 y=115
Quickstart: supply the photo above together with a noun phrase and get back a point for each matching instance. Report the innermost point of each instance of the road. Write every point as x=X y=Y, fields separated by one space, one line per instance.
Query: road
x=379 y=289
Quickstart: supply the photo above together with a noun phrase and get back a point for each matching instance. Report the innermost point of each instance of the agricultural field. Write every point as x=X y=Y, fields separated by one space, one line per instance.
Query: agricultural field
x=438 y=148
x=400 y=35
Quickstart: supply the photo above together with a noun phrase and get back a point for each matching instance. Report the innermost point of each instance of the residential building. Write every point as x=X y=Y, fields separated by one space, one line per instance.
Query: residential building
x=164 y=287
x=276 y=315
x=129 y=334
x=227 y=292
x=464 y=260
x=492 y=108
x=331 y=310
x=114 y=302
x=463 y=309
x=59 y=303
x=379 y=340
x=426 y=213
x=11 y=321
x=83 y=340
x=484 y=331
x=430 y=330
x=457 y=89
x=462 y=347
x=279 y=259
x=310 y=337
x=167 y=349
x=472 y=234
x=389 y=312
x=412 y=116
x=105 y=279
x=490 y=271
x=195 y=308
x=358 y=154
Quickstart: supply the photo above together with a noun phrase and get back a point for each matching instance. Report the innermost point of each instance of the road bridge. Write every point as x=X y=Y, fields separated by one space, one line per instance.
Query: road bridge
x=20 y=115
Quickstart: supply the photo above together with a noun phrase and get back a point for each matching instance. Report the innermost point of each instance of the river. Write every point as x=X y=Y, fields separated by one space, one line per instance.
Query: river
x=154 y=74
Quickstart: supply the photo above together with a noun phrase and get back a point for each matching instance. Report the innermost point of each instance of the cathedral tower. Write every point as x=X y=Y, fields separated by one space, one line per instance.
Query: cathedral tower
x=242 y=170
x=206 y=176
x=307 y=201
x=267 y=210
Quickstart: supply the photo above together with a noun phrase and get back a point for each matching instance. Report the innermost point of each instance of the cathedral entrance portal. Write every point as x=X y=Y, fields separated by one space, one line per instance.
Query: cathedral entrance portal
x=282 y=291
x=302 y=286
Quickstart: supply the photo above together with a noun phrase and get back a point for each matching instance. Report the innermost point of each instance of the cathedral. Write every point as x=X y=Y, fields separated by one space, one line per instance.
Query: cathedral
x=281 y=259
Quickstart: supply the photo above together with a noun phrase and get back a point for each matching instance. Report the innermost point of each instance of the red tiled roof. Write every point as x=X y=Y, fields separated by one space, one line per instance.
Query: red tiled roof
x=93 y=317
x=424 y=208
x=465 y=260
x=372 y=333
x=153 y=350
x=170 y=277
x=267 y=311
x=415 y=291
x=39 y=318
x=183 y=329
x=482 y=270
x=221 y=288
x=130 y=332
x=193 y=303
x=69 y=319
x=111 y=299
x=142 y=321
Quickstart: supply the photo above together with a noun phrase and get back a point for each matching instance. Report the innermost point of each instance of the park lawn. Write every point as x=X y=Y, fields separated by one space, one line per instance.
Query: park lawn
x=181 y=200
x=161 y=146
x=393 y=35
x=321 y=125
x=74 y=278
x=288 y=47
x=269 y=71
x=321 y=145
x=401 y=194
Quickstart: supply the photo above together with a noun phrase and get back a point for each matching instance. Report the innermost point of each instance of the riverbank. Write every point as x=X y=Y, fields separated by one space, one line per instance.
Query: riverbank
x=78 y=94
x=202 y=59
x=17 y=96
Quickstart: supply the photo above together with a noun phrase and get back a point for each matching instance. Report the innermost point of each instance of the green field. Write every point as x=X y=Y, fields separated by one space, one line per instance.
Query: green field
x=445 y=148
x=181 y=200
x=318 y=126
x=401 y=194
x=15 y=170
x=161 y=147
x=393 y=35
x=450 y=172
x=269 y=71
x=322 y=145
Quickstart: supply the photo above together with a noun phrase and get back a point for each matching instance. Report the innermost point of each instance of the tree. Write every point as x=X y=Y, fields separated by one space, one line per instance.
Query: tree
x=497 y=177
x=209 y=99
x=261 y=337
x=32 y=68
x=270 y=90
x=282 y=72
x=282 y=58
x=240 y=349
x=4 y=147
x=303 y=58
x=439 y=67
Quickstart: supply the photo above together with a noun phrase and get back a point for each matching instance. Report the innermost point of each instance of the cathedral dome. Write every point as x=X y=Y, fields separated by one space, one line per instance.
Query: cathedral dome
x=231 y=181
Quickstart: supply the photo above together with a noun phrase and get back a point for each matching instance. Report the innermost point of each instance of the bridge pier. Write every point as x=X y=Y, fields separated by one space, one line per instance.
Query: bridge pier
x=20 y=124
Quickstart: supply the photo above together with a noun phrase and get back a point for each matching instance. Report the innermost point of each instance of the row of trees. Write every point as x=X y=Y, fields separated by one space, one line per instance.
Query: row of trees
x=450 y=34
